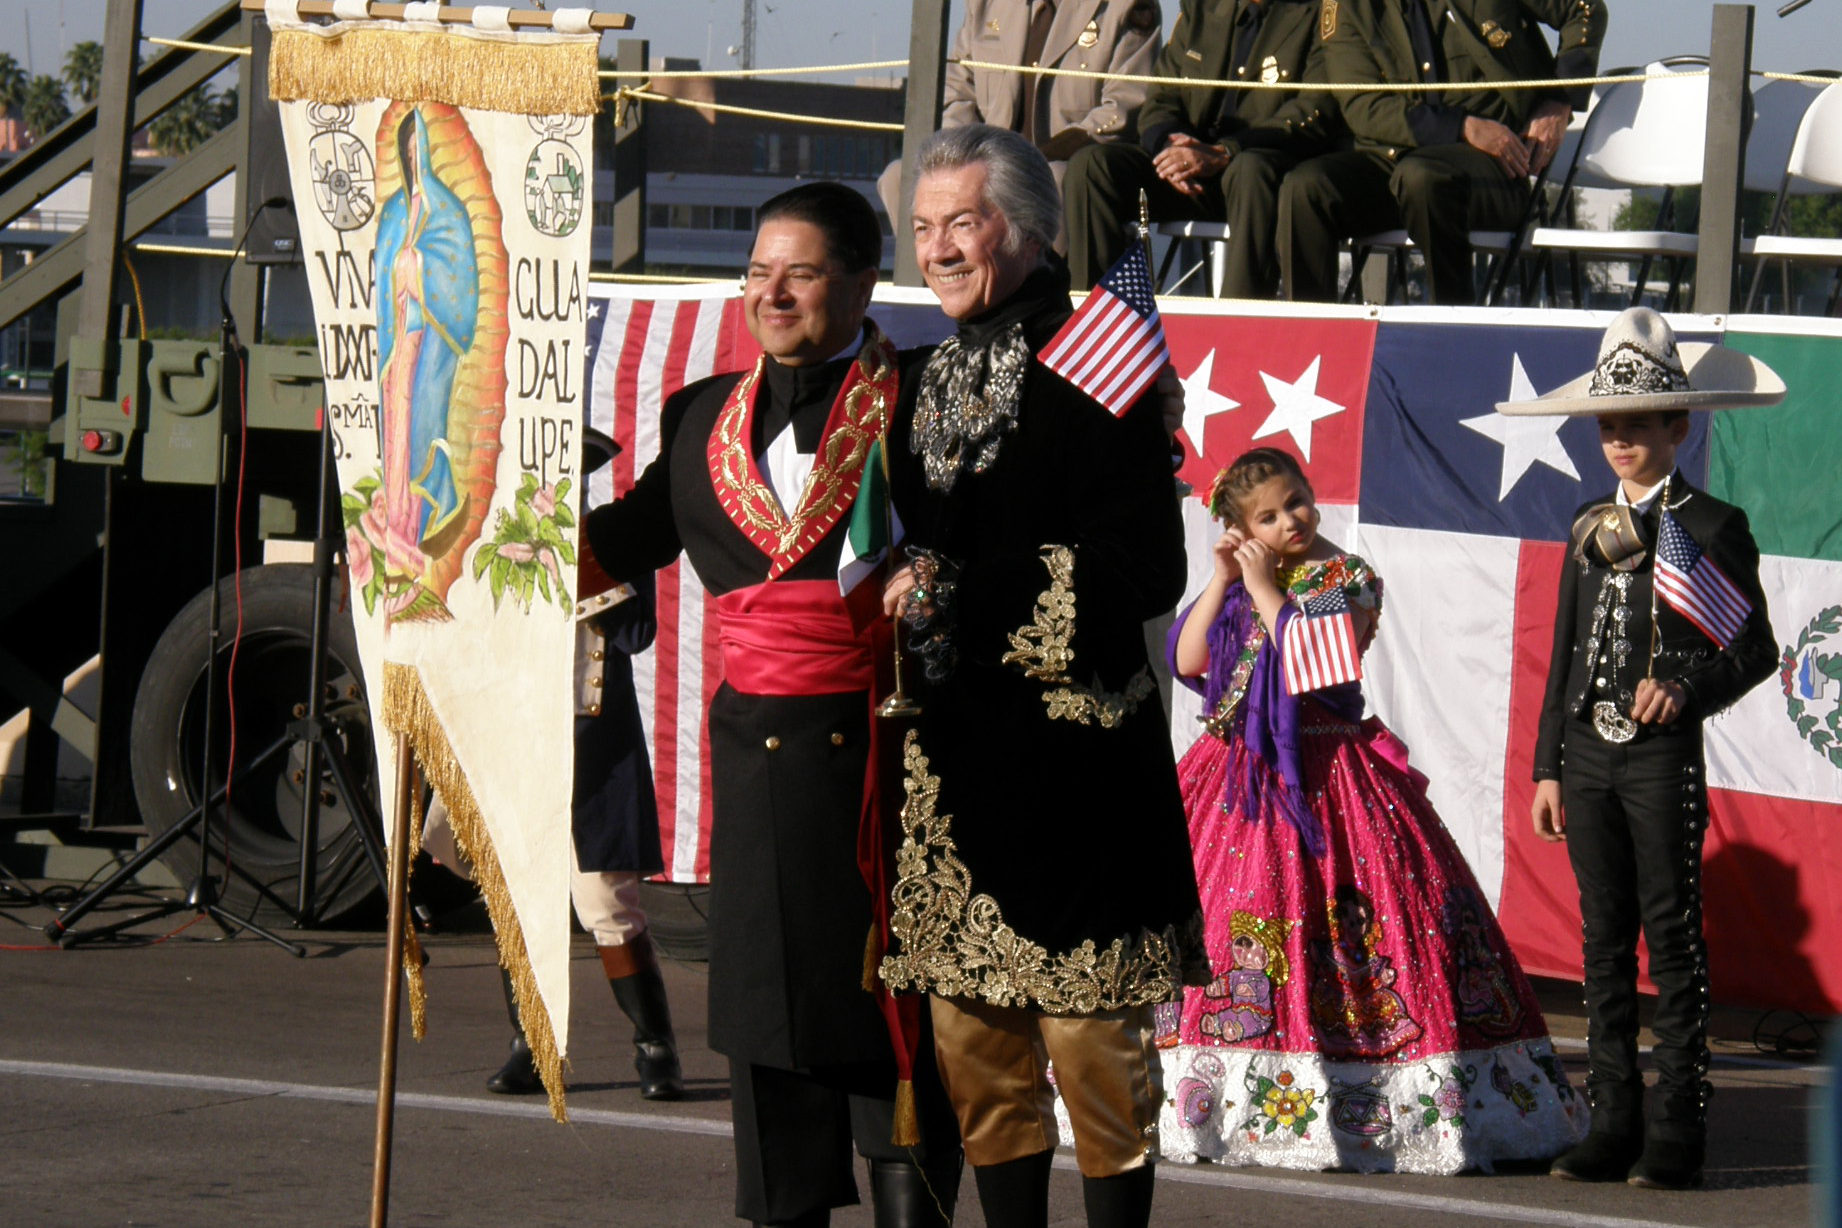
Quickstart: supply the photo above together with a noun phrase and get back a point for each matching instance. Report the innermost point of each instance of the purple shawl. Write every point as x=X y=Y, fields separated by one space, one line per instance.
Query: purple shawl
x=1270 y=779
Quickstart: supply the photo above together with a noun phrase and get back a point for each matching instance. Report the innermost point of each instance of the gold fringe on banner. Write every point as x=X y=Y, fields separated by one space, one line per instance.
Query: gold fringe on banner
x=406 y=709
x=412 y=945
x=521 y=78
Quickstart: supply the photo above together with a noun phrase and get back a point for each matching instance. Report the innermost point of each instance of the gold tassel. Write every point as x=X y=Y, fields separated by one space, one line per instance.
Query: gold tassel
x=872 y=958
x=520 y=78
x=406 y=709
x=907 y=1131
x=412 y=944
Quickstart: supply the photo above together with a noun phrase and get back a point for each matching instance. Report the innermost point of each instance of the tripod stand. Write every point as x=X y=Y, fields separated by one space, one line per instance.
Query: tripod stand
x=310 y=729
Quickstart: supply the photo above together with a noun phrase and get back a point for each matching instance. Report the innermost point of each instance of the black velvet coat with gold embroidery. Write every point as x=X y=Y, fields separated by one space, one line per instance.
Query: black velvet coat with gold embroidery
x=1045 y=858
x=788 y=906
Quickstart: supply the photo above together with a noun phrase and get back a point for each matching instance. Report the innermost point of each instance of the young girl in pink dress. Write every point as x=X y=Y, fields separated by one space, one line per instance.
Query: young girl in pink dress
x=1367 y=1012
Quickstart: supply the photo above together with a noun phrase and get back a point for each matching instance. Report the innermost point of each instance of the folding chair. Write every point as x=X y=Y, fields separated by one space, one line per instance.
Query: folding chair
x=1214 y=235
x=1640 y=134
x=1816 y=160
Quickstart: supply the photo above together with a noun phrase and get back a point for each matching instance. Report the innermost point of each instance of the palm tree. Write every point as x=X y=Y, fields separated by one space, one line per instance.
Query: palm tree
x=186 y=124
x=83 y=70
x=44 y=107
x=12 y=83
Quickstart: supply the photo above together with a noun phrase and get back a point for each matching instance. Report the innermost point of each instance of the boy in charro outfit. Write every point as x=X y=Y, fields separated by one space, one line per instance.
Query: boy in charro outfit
x=1661 y=624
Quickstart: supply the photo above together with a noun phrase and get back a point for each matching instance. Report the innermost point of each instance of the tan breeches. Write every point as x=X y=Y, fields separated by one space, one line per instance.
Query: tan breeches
x=994 y=1062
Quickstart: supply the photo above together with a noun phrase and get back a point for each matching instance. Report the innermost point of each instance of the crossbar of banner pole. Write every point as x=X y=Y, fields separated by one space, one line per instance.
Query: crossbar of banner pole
x=453 y=14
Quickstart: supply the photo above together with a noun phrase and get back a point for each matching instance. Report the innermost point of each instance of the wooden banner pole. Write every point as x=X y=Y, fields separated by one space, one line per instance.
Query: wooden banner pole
x=393 y=983
x=534 y=19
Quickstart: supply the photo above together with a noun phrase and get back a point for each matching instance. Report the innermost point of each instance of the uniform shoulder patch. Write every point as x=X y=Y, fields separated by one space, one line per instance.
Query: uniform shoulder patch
x=1144 y=15
x=1327 y=18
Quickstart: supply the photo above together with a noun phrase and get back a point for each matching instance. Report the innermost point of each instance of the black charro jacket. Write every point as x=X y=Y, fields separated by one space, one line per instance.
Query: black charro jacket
x=1714 y=677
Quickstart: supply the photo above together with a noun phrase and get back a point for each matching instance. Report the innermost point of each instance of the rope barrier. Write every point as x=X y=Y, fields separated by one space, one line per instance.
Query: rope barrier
x=182 y=45
x=1397 y=87
x=621 y=97
x=869 y=66
x=663 y=279
x=1802 y=78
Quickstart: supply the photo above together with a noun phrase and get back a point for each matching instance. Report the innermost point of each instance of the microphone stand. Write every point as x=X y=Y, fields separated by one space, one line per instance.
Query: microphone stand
x=203 y=896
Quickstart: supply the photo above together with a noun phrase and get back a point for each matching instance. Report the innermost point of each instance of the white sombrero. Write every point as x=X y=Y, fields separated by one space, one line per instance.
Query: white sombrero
x=1642 y=369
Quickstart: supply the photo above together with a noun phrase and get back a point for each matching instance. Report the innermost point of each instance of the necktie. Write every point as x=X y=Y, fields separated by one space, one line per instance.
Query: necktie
x=1034 y=114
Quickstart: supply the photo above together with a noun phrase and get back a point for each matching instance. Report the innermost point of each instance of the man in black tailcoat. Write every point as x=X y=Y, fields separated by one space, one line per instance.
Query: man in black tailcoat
x=754 y=483
x=1045 y=896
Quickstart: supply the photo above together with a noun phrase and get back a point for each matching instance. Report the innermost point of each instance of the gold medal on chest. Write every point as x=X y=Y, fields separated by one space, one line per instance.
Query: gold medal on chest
x=1327 y=19
x=1495 y=35
x=1269 y=69
x=1091 y=35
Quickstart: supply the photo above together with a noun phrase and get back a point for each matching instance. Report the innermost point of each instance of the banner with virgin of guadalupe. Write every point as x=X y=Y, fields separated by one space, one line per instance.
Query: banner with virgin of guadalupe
x=441 y=176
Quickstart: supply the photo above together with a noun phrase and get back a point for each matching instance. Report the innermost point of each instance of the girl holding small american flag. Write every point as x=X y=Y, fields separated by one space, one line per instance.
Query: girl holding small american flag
x=1367 y=1012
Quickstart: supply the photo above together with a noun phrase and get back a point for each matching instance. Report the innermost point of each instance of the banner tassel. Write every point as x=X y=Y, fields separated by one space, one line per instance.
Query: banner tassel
x=406 y=709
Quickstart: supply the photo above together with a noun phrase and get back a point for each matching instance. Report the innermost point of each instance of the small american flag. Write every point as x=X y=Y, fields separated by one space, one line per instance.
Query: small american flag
x=1114 y=345
x=1690 y=584
x=1319 y=646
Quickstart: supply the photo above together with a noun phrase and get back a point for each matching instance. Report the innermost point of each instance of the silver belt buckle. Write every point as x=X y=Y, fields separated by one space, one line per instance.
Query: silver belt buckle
x=1611 y=724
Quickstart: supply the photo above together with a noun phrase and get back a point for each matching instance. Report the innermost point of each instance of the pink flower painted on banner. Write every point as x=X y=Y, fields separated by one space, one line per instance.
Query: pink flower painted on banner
x=543 y=503
x=1450 y=1100
x=375 y=521
x=547 y=557
x=518 y=552
x=358 y=558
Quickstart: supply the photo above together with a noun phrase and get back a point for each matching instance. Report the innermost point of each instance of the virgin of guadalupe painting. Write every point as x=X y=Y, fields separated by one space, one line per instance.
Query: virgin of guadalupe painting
x=428 y=309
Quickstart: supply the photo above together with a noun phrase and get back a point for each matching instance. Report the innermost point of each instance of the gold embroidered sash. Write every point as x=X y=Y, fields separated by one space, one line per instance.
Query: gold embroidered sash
x=857 y=419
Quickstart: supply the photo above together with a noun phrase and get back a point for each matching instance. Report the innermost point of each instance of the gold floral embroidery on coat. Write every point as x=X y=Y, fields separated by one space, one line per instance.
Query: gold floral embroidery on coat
x=1107 y=708
x=954 y=941
x=1044 y=648
x=856 y=421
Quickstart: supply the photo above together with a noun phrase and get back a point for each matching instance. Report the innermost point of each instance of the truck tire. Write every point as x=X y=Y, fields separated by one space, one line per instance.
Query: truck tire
x=261 y=825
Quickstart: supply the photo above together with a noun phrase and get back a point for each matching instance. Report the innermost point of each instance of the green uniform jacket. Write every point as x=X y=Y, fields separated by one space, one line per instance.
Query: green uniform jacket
x=1483 y=41
x=1199 y=50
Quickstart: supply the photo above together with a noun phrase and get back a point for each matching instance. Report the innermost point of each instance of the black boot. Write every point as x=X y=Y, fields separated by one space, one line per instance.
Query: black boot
x=1015 y=1194
x=518 y=1077
x=1673 y=1154
x=812 y=1219
x=639 y=990
x=1613 y=1143
x=1122 y=1201
x=908 y=1195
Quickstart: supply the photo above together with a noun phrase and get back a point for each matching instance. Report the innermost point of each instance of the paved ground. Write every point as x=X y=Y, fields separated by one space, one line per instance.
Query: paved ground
x=203 y=1083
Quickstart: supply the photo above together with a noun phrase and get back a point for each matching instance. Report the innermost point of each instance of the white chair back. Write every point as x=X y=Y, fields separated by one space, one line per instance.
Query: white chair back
x=1816 y=155
x=1777 y=113
x=1649 y=133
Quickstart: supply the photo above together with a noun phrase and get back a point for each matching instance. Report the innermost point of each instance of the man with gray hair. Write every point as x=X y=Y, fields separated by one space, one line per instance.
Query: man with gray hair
x=1040 y=761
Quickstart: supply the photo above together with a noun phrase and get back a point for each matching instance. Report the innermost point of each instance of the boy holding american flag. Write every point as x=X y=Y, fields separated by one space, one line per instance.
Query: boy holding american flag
x=1661 y=623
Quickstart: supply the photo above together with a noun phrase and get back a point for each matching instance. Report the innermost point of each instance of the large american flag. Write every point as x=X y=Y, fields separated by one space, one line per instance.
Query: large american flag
x=640 y=351
x=1695 y=588
x=1114 y=344
x=1318 y=649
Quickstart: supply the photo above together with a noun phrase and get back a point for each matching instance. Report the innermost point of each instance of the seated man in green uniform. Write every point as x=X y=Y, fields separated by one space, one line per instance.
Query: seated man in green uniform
x=1210 y=154
x=1439 y=163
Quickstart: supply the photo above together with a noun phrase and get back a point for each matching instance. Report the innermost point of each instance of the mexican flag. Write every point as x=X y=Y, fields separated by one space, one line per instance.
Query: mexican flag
x=873 y=525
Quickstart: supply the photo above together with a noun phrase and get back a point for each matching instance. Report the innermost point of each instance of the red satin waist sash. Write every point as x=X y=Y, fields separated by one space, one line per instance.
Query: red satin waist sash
x=792 y=638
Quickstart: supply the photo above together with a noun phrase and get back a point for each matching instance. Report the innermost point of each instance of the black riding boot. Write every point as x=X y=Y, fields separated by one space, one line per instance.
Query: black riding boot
x=1615 y=1140
x=908 y=1195
x=639 y=990
x=1122 y=1201
x=1015 y=1194
x=518 y=1077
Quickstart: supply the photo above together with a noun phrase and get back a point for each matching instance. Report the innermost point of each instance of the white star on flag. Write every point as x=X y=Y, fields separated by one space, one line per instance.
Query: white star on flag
x=1296 y=406
x=1201 y=402
x=594 y=309
x=1527 y=441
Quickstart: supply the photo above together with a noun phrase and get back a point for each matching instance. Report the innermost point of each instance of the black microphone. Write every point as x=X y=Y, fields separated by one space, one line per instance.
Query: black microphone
x=229 y=323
